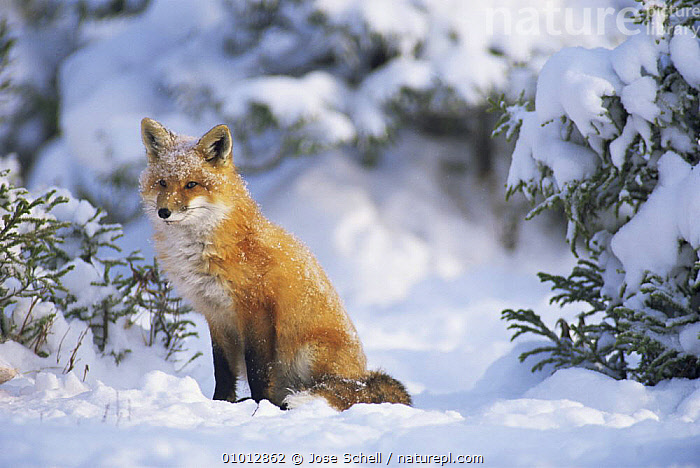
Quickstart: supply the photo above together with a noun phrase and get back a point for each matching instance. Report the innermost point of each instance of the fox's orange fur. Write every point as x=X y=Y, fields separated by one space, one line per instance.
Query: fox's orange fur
x=270 y=308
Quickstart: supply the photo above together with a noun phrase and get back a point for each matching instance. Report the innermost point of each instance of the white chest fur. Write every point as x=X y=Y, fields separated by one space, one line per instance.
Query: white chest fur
x=182 y=252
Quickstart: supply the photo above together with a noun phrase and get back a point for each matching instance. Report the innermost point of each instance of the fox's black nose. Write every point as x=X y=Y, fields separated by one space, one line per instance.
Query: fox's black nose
x=164 y=213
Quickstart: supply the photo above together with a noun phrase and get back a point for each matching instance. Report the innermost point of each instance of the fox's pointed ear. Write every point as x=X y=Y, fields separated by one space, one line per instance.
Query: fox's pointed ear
x=216 y=145
x=156 y=138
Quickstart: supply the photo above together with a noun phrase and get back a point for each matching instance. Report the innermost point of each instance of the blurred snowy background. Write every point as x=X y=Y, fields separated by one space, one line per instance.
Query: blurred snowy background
x=362 y=127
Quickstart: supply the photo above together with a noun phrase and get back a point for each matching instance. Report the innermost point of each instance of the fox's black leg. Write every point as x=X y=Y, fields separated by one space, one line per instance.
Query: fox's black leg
x=257 y=368
x=225 y=379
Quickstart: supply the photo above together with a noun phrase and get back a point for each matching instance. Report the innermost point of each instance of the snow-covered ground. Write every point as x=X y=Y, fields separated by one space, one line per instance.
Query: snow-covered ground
x=425 y=286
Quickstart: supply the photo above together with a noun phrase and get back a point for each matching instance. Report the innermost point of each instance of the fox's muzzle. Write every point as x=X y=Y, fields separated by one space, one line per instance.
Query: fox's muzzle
x=164 y=213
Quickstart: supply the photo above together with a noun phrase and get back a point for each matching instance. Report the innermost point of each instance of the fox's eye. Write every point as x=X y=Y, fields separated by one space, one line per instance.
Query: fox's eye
x=162 y=183
x=191 y=185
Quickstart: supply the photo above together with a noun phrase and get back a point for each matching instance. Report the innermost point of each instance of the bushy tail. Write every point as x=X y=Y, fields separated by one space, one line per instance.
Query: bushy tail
x=376 y=387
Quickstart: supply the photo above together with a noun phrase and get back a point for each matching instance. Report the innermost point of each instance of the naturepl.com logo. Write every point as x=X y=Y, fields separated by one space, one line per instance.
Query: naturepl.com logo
x=552 y=19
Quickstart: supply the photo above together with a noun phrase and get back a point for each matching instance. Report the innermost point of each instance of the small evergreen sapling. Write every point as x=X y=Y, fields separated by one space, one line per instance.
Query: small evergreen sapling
x=31 y=261
x=58 y=262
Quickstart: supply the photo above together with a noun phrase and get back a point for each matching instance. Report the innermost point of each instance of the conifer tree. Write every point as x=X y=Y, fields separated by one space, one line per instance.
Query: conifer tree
x=617 y=150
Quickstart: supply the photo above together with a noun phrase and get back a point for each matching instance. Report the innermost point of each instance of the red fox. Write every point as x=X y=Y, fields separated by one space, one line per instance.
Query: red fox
x=270 y=307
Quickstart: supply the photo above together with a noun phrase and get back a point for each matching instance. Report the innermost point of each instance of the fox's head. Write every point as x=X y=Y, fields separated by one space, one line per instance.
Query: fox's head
x=187 y=182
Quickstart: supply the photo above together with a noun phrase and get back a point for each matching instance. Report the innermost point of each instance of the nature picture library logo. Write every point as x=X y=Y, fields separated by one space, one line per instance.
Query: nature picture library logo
x=554 y=20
